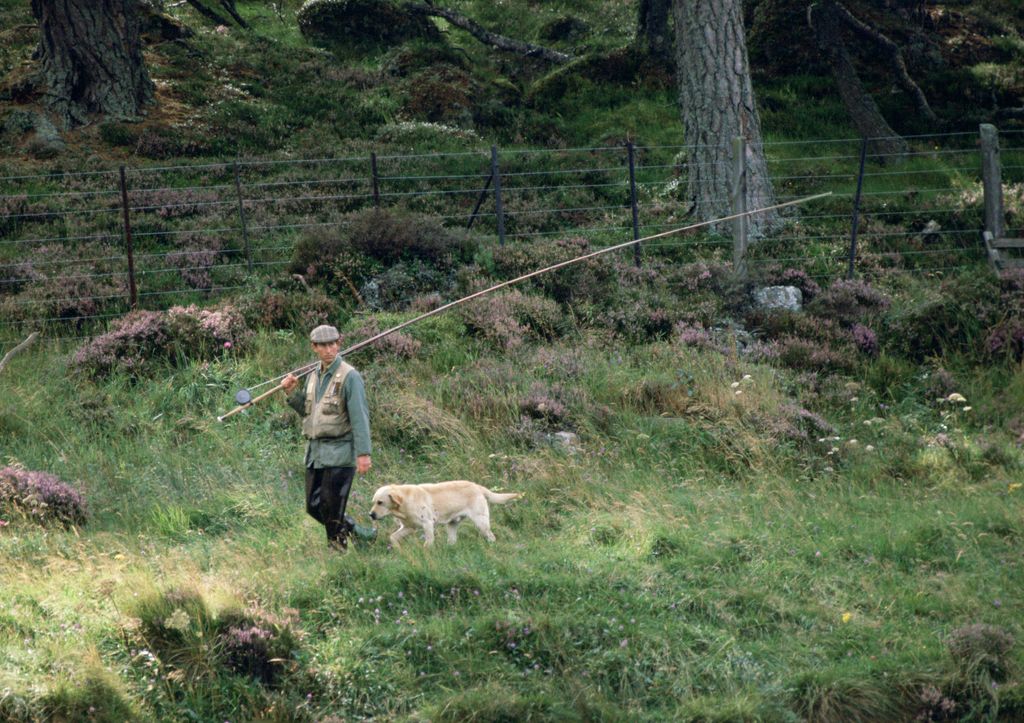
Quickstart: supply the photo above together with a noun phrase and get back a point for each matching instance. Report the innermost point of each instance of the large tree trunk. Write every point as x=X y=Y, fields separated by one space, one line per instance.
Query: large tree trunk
x=91 y=57
x=824 y=19
x=717 y=102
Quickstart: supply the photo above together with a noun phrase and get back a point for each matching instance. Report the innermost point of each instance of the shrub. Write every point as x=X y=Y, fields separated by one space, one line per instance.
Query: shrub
x=257 y=644
x=41 y=497
x=361 y=22
x=142 y=337
x=981 y=647
x=545 y=403
x=591 y=281
x=62 y=282
x=397 y=344
x=287 y=308
x=848 y=301
x=507 y=319
x=376 y=239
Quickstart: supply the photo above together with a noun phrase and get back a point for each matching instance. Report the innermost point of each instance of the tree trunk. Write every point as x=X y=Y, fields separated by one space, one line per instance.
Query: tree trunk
x=91 y=58
x=717 y=104
x=825 y=20
x=653 y=33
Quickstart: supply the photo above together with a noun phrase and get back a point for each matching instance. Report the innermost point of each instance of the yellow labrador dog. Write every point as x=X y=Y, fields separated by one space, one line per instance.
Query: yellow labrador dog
x=449 y=503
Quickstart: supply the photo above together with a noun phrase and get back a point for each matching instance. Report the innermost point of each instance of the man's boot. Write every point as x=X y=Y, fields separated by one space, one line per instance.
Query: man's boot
x=359 y=532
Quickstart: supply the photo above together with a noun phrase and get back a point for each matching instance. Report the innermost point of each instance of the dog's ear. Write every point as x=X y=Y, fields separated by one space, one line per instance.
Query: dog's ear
x=395 y=499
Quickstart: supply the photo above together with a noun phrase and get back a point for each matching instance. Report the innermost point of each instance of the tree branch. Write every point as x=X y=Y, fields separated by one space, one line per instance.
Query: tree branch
x=488 y=38
x=895 y=58
x=21 y=347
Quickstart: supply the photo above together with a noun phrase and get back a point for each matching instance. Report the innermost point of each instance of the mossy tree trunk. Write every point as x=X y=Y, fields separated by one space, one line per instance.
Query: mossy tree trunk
x=91 y=58
x=717 y=104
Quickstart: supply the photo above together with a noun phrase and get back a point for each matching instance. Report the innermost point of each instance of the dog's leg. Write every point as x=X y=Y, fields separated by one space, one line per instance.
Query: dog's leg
x=453 y=531
x=428 y=533
x=482 y=520
x=400 y=534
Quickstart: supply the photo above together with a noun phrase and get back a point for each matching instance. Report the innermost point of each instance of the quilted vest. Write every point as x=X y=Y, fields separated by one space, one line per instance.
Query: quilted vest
x=328 y=417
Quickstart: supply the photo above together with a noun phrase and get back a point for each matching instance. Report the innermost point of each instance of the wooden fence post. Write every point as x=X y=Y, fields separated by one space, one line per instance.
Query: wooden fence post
x=992 y=183
x=133 y=295
x=739 y=205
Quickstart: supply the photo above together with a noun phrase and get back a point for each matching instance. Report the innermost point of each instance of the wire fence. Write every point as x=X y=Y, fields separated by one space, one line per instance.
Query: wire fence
x=78 y=248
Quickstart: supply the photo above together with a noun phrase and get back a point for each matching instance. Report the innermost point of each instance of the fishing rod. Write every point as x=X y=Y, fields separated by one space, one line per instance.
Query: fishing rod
x=244 y=397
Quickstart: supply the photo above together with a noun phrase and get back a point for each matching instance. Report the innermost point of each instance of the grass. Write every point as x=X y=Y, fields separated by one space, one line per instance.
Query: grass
x=682 y=566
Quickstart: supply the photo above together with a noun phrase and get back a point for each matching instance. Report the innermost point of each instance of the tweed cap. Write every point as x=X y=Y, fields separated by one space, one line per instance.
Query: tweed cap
x=324 y=334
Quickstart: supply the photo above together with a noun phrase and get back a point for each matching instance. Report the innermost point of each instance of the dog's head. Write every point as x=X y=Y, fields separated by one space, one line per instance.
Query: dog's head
x=385 y=501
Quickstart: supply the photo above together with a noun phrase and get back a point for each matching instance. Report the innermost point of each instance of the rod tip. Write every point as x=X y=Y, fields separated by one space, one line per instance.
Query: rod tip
x=220 y=419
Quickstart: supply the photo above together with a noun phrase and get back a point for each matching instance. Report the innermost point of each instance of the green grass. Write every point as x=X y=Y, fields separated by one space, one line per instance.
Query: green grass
x=685 y=566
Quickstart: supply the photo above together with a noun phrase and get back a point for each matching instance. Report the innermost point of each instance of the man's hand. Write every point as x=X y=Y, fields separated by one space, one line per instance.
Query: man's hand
x=289 y=383
x=363 y=463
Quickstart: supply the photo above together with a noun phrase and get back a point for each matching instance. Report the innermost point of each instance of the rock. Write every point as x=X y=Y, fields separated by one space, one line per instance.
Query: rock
x=370 y=294
x=568 y=441
x=46 y=143
x=930 y=232
x=789 y=298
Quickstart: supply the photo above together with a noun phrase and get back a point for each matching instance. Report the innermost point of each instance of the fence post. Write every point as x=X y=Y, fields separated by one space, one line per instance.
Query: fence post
x=992 y=182
x=241 y=218
x=632 y=202
x=133 y=295
x=739 y=205
x=376 y=182
x=856 y=207
x=499 y=211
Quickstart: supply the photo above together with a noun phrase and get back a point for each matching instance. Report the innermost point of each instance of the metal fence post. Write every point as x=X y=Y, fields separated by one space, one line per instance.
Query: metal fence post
x=632 y=201
x=739 y=205
x=133 y=294
x=856 y=207
x=375 y=179
x=499 y=211
x=241 y=218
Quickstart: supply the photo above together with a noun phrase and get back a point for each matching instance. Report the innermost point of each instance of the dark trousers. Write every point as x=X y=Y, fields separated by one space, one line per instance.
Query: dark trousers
x=327 y=491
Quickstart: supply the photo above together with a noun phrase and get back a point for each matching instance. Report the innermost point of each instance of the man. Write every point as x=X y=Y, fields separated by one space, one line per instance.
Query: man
x=336 y=422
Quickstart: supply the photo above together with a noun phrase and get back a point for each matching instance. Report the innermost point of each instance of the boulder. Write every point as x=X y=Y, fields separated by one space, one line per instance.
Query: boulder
x=789 y=298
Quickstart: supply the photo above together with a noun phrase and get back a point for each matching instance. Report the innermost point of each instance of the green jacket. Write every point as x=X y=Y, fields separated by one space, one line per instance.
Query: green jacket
x=347 y=404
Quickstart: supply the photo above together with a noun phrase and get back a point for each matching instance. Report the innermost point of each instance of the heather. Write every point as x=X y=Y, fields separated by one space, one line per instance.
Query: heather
x=39 y=497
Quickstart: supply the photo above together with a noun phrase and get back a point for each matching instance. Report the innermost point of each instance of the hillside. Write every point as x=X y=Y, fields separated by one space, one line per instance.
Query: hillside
x=730 y=512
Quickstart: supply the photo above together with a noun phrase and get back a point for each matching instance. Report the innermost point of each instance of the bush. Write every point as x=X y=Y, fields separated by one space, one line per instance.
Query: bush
x=507 y=319
x=592 y=281
x=256 y=644
x=848 y=302
x=287 y=308
x=981 y=647
x=40 y=497
x=361 y=22
x=141 y=338
x=61 y=282
x=376 y=239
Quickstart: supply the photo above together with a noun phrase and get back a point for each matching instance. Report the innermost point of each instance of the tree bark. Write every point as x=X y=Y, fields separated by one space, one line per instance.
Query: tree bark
x=717 y=104
x=653 y=33
x=91 y=57
x=486 y=37
x=825 y=20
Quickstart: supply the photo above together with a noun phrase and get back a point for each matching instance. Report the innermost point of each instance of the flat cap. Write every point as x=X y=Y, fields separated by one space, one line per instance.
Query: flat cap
x=324 y=334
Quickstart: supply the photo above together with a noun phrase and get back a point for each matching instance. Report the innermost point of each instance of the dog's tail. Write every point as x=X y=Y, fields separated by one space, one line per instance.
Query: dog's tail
x=500 y=497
